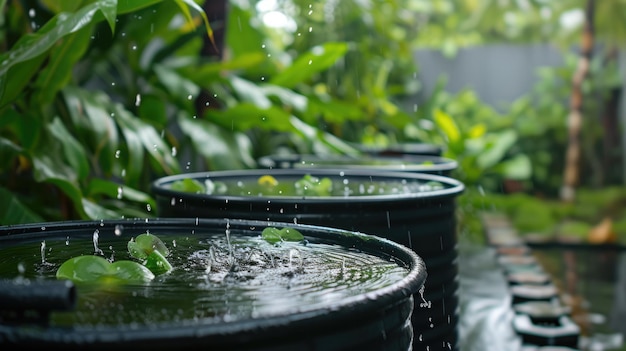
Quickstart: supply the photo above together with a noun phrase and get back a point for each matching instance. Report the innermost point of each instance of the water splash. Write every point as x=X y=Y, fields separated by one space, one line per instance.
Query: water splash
x=95 y=238
x=424 y=303
x=43 y=252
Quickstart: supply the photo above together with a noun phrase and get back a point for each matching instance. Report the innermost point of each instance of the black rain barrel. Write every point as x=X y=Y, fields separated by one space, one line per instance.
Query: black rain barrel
x=421 y=219
x=404 y=163
x=403 y=149
x=365 y=304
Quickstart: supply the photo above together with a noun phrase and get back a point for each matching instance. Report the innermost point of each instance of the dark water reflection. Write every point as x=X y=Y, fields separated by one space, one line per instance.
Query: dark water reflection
x=486 y=313
x=592 y=282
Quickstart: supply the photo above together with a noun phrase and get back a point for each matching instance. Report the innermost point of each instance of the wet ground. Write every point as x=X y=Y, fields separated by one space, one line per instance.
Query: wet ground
x=486 y=314
x=592 y=282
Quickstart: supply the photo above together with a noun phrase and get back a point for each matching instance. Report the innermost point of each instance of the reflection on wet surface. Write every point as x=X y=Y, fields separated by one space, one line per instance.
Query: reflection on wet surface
x=592 y=283
x=486 y=315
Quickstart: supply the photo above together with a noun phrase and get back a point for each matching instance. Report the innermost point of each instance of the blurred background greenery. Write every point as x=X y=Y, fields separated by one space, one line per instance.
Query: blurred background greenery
x=100 y=97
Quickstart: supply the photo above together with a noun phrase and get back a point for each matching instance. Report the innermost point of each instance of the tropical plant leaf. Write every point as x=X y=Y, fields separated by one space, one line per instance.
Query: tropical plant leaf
x=13 y=211
x=310 y=63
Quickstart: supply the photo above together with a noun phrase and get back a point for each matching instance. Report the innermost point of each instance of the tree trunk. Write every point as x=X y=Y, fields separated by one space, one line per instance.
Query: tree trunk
x=575 y=117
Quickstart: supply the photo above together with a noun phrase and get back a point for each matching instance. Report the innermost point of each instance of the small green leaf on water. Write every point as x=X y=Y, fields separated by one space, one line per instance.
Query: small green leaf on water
x=157 y=263
x=271 y=235
x=96 y=269
x=188 y=185
x=144 y=244
x=290 y=234
x=274 y=235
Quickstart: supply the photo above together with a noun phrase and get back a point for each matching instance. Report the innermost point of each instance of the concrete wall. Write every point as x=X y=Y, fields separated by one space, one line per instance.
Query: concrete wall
x=498 y=73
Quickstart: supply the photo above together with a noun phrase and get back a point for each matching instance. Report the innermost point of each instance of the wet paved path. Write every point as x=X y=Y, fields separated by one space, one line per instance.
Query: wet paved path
x=488 y=301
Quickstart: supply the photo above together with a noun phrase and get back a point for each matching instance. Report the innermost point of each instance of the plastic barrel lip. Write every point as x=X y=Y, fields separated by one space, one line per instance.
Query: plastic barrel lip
x=342 y=310
x=454 y=187
x=405 y=162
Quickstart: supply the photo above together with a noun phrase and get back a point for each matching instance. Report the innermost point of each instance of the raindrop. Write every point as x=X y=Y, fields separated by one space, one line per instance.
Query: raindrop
x=112 y=84
x=123 y=172
x=138 y=100
x=43 y=251
x=174 y=151
x=96 y=236
x=310 y=29
x=148 y=207
x=310 y=62
x=134 y=47
x=117 y=153
x=20 y=268
x=189 y=97
x=262 y=46
x=262 y=78
x=118 y=230
x=207 y=103
x=67 y=241
x=173 y=201
x=32 y=13
x=120 y=192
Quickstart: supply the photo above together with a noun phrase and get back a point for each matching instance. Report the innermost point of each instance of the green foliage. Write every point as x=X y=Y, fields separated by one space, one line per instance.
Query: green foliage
x=146 y=248
x=274 y=235
x=96 y=269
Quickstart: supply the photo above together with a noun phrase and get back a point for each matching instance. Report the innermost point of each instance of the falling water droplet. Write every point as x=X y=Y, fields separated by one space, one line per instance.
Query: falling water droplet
x=67 y=241
x=20 y=268
x=174 y=151
x=117 y=153
x=138 y=100
x=43 y=251
x=32 y=13
x=148 y=207
x=310 y=29
x=120 y=192
x=95 y=238
x=118 y=230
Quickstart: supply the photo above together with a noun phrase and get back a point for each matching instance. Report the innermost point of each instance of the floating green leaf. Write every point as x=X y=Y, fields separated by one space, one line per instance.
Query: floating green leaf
x=145 y=244
x=188 y=185
x=310 y=185
x=274 y=235
x=96 y=269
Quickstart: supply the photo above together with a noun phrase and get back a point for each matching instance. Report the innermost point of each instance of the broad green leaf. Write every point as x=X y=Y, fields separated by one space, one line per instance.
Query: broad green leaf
x=58 y=70
x=99 y=186
x=157 y=263
x=205 y=19
x=177 y=85
x=244 y=116
x=271 y=235
x=188 y=185
x=96 y=211
x=518 y=168
x=250 y=92
x=274 y=235
x=310 y=63
x=13 y=211
x=72 y=150
x=497 y=147
x=145 y=244
x=142 y=134
x=60 y=26
x=222 y=148
x=445 y=122
x=211 y=72
x=109 y=10
x=96 y=269
x=18 y=77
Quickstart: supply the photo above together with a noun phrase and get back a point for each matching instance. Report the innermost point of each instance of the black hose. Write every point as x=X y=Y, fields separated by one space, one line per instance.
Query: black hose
x=41 y=296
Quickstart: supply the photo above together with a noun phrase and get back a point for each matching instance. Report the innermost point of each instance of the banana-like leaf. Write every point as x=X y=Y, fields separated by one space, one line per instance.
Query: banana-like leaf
x=13 y=211
x=316 y=60
x=223 y=149
x=73 y=151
